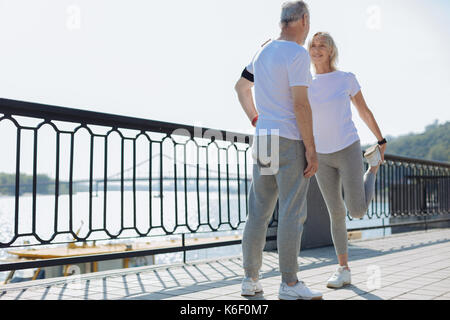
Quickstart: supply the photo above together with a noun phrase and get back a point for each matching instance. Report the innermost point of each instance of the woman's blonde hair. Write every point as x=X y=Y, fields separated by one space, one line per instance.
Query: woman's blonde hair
x=331 y=44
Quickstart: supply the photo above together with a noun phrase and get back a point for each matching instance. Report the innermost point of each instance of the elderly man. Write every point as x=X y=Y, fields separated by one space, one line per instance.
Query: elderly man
x=281 y=75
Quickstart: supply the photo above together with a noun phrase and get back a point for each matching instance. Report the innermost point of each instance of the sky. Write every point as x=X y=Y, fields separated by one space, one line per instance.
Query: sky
x=177 y=61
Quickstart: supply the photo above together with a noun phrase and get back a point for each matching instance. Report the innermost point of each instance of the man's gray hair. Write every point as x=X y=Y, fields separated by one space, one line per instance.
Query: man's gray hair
x=293 y=11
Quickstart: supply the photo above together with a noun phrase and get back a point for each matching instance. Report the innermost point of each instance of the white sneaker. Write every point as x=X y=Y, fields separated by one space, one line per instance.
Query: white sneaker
x=340 y=278
x=298 y=292
x=373 y=155
x=250 y=287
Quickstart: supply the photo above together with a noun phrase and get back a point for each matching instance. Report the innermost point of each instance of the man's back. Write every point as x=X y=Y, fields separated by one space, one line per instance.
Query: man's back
x=278 y=66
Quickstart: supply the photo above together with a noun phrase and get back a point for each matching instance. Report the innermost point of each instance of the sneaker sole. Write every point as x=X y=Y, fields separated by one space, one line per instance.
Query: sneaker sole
x=290 y=298
x=371 y=151
x=250 y=293
x=337 y=287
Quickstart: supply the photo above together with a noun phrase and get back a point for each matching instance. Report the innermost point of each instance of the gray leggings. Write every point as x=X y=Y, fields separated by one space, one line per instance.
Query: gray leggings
x=344 y=168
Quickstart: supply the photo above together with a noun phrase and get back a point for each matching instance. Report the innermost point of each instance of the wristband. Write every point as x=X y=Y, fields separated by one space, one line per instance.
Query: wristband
x=255 y=119
x=380 y=143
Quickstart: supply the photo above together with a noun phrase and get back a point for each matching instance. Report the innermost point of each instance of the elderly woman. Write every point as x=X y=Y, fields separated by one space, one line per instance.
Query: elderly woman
x=338 y=146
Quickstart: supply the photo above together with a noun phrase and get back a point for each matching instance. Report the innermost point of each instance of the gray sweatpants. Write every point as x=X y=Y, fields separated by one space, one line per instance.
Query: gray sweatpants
x=289 y=186
x=344 y=168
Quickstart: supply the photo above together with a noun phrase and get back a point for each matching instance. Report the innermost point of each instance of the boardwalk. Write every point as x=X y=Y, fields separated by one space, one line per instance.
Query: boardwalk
x=413 y=265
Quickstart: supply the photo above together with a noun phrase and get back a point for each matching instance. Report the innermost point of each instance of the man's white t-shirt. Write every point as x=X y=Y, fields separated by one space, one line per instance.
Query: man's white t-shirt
x=329 y=96
x=278 y=66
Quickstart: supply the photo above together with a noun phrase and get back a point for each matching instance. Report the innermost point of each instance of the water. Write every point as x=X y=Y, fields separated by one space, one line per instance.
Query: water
x=192 y=211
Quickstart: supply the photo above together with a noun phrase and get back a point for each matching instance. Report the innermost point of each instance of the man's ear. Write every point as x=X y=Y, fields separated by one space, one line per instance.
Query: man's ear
x=305 y=19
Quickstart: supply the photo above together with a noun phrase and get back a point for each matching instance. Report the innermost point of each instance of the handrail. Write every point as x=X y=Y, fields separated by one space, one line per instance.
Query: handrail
x=50 y=112
x=393 y=157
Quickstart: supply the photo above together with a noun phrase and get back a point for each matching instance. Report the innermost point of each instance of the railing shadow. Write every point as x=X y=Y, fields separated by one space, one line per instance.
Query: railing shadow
x=322 y=256
x=221 y=277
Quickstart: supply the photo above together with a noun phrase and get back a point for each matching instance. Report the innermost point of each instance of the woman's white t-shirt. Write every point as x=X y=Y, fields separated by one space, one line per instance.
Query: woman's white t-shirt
x=329 y=96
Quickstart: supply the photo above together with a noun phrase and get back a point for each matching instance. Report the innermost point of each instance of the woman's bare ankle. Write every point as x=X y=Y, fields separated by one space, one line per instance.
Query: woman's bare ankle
x=345 y=266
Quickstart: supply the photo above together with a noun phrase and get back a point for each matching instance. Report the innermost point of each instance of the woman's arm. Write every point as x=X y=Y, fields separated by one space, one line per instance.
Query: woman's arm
x=367 y=116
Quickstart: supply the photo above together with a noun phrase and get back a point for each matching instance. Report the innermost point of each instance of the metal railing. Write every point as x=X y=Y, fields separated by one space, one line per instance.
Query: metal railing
x=192 y=180
x=410 y=188
x=137 y=181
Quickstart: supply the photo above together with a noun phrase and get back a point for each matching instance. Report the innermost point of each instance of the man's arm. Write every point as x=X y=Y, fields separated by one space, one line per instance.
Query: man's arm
x=244 y=91
x=303 y=114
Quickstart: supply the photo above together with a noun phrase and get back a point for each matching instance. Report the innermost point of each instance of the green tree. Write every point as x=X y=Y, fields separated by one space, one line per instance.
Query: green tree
x=433 y=144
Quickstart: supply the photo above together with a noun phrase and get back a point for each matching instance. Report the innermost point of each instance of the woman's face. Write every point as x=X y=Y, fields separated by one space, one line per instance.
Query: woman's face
x=320 y=52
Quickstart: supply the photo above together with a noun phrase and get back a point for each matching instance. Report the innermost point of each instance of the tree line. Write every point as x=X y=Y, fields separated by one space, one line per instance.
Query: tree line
x=44 y=184
x=432 y=144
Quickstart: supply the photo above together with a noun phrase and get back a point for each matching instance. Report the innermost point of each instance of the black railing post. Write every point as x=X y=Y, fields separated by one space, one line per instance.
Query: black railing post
x=183 y=244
